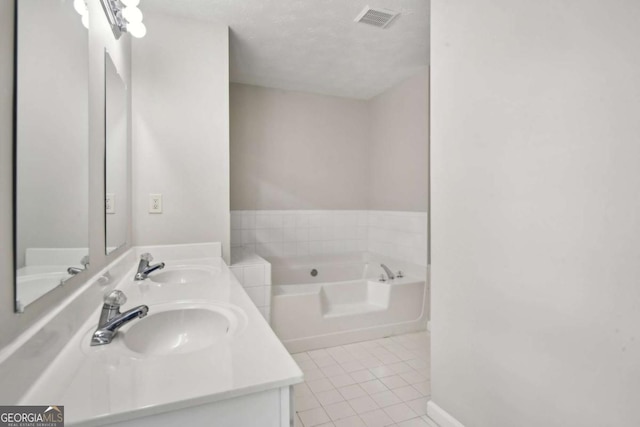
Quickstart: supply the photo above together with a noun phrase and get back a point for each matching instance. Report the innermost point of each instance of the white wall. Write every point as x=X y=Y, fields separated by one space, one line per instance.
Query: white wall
x=399 y=147
x=53 y=208
x=181 y=132
x=295 y=150
x=535 y=207
x=100 y=37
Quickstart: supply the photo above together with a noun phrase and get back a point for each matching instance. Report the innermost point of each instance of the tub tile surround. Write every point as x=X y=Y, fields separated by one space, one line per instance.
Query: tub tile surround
x=254 y=274
x=397 y=235
x=52 y=364
x=382 y=382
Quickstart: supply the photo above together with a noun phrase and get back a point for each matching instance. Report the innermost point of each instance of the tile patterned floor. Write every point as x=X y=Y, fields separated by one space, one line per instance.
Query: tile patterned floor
x=377 y=383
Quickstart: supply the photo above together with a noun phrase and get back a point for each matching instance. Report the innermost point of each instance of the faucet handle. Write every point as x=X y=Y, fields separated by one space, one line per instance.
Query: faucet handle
x=146 y=257
x=115 y=298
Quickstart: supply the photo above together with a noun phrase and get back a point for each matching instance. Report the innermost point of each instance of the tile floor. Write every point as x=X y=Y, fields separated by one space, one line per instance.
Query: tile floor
x=376 y=383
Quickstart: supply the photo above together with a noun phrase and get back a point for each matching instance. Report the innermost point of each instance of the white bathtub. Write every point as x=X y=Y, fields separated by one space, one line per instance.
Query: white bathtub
x=344 y=302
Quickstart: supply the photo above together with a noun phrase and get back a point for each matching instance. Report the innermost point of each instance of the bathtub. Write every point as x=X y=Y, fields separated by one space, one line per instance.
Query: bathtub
x=327 y=301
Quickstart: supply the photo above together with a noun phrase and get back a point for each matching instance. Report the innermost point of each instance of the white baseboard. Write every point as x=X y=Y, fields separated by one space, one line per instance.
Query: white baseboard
x=441 y=417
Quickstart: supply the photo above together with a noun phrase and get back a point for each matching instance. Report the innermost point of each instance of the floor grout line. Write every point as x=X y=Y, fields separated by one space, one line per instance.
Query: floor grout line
x=406 y=354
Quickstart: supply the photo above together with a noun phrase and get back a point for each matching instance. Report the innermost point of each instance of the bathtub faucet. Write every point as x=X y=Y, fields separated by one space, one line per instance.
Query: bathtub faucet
x=144 y=269
x=390 y=274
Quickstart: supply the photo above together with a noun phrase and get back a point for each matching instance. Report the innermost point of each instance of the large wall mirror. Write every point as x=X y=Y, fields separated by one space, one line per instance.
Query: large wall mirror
x=116 y=157
x=51 y=143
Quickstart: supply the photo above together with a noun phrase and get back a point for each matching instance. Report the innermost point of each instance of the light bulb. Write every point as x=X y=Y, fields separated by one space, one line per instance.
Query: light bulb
x=85 y=21
x=132 y=15
x=80 y=6
x=137 y=30
x=130 y=3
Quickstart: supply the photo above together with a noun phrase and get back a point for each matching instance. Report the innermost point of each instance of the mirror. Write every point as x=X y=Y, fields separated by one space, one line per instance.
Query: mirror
x=51 y=147
x=116 y=160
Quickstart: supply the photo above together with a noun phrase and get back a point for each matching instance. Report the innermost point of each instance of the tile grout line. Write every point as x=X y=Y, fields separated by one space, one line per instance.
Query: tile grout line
x=416 y=345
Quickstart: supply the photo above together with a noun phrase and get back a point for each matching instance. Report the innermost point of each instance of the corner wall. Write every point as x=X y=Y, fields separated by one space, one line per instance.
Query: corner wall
x=181 y=132
x=535 y=207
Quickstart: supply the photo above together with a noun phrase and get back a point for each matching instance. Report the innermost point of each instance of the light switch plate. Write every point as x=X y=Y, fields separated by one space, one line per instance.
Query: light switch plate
x=110 y=203
x=155 y=203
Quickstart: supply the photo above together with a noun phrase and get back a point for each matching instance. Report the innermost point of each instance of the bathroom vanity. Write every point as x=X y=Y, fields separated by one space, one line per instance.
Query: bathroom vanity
x=203 y=355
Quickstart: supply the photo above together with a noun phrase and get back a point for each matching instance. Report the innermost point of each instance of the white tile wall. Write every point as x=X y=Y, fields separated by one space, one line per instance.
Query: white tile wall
x=401 y=235
x=296 y=233
x=254 y=274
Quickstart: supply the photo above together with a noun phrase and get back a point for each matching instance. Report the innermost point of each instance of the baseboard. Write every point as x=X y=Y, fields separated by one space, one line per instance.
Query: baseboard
x=440 y=416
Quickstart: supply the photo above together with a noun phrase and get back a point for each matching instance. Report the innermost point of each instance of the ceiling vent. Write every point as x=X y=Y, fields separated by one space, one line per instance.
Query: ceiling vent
x=377 y=17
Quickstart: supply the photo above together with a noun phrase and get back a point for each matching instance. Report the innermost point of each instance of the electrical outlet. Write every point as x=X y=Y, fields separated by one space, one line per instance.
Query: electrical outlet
x=110 y=203
x=155 y=203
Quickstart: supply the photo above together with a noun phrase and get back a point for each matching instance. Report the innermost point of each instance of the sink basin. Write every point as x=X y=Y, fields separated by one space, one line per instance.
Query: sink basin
x=182 y=328
x=184 y=275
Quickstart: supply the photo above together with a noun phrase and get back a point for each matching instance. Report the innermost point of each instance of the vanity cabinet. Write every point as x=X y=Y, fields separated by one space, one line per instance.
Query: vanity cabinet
x=270 y=408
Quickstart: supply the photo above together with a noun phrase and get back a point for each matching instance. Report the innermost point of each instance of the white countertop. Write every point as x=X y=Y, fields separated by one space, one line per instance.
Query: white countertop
x=101 y=385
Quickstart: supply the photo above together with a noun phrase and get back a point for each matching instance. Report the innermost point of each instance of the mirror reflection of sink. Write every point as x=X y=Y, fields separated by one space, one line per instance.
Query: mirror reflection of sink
x=183 y=275
x=182 y=328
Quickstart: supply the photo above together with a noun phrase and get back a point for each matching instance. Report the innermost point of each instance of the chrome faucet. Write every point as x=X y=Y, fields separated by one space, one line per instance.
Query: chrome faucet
x=111 y=319
x=144 y=269
x=389 y=272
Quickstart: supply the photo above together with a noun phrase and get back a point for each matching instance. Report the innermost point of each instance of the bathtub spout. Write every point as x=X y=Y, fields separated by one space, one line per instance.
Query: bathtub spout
x=389 y=272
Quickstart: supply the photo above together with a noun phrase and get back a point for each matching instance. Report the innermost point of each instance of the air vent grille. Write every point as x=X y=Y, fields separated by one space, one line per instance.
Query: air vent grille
x=377 y=17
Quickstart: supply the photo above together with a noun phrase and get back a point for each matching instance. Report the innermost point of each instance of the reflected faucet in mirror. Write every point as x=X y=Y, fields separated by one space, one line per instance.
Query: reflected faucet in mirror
x=75 y=270
x=144 y=268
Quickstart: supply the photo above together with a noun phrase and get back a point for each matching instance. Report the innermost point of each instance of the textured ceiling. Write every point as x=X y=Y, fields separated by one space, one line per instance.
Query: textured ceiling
x=314 y=45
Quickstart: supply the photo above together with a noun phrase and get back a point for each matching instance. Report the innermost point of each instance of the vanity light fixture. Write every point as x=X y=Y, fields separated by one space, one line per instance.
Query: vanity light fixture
x=81 y=7
x=124 y=16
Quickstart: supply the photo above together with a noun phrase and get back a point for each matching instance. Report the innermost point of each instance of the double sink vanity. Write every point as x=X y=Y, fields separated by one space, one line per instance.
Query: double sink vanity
x=187 y=344
x=94 y=326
